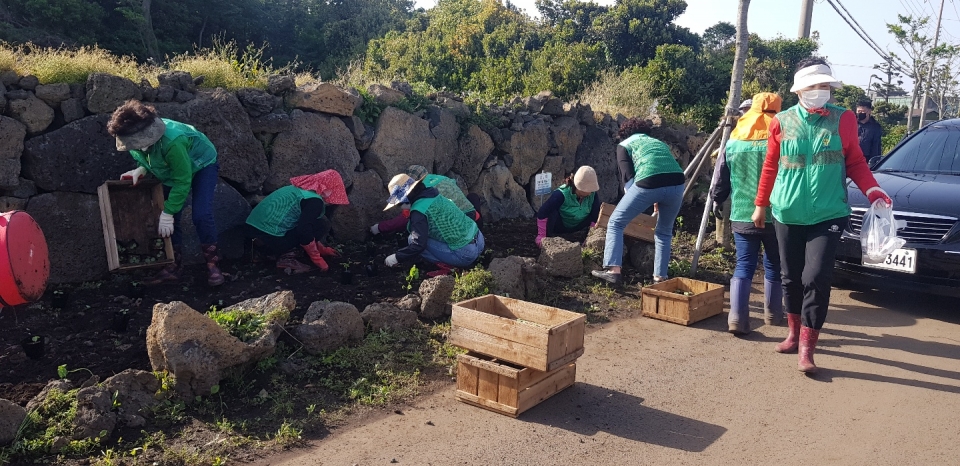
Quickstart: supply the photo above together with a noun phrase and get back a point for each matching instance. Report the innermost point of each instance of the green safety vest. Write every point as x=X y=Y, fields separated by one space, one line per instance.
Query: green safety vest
x=573 y=210
x=745 y=162
x=279 y=212
x=448 y=188
x=811 y=181
x=650 y=156
x=181 y=152
x=447 y=223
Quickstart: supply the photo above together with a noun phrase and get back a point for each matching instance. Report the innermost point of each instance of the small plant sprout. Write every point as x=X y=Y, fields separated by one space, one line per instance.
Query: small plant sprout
x=35 y=338
x=412 y=275
x=63 y=372
x=345 y=265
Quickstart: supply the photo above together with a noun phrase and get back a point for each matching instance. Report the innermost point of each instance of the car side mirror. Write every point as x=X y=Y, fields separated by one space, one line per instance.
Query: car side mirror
x=874 y=161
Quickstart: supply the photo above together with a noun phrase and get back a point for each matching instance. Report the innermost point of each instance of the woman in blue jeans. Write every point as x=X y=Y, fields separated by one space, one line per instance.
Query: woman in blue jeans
x=652 y=177
x=740 y=165
x=439 y=231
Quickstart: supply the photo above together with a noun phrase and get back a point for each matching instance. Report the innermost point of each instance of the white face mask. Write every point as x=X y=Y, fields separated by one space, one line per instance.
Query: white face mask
x=815 y=98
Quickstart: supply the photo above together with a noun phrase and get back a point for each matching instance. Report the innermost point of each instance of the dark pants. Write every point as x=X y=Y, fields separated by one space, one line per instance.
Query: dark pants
x=807 y=255
x=748 y=251
x=555 y=225
x=201 y=190
x=305 y=232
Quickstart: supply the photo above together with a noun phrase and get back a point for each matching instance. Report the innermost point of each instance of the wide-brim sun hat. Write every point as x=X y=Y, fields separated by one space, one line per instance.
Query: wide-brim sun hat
x=586 y=179
x=400 y=187
x=144 y=138
x=328 y=184
x=813 y=75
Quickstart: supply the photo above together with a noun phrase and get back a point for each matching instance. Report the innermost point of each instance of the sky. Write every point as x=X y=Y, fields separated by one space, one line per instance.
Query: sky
x=851 y=58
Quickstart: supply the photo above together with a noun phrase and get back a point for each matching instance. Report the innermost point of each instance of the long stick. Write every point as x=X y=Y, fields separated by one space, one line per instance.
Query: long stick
x=696 y=173
x=736 y=83
x=703 y=150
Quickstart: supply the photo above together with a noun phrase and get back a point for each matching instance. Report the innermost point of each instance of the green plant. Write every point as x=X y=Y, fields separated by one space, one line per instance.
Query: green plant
x=245 y=325
x=412 y=275
x=369 y=110
x=35 y=338
x=62 y=371
x=473 y=283
x=679 y=268
x=287 y=434
x=225 y=65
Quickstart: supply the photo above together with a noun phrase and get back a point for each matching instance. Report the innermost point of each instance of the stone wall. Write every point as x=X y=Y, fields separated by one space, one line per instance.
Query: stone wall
x=55 y=150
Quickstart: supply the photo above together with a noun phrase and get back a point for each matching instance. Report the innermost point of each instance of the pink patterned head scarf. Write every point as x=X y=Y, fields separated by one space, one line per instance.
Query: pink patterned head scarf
x=328 y=184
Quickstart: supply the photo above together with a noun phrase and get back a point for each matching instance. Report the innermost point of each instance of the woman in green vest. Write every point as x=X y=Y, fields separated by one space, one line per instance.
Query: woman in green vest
x=295 y=215
x=447 y=187
x=185 y=161
x=439 y=231
x=572 y=207
x=651 y=176
x=812 y=148
x=739 y=166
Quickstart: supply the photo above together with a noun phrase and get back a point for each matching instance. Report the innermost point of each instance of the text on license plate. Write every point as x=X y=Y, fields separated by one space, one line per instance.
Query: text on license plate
x=901 y=260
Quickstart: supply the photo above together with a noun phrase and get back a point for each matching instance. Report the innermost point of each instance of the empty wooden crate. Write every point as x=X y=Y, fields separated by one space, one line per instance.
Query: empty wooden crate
x=641 y=227
x=682 y=300
x=507 y=388
x=540 y=337
x=130 y=215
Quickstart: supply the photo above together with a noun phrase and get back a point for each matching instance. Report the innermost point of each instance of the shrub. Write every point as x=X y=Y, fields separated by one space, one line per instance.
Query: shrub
x=625 y=92
x=224 y=65
x=8 y=57
x=473 y=283
x=72 y=66
x=246 y=325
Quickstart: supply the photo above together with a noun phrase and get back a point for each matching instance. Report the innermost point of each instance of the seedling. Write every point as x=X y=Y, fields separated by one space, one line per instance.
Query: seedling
x=63 y=372
x=35 y=338
x=412 y=275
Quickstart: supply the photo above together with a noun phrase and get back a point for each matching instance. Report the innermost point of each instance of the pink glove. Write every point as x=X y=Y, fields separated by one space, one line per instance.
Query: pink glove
x=876 y=193
x=541 y=230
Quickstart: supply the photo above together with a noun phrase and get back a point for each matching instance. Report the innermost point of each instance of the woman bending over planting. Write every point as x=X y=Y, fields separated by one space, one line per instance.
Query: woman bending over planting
x=447 y=187
x=572 y=207
x=295 y=215
x=185 y=161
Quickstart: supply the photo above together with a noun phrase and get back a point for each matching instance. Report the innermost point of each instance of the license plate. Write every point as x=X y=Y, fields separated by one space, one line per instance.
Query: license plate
x=901 y=260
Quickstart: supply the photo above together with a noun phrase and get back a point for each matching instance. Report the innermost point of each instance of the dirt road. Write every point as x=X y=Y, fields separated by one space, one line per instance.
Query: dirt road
x=650 y=392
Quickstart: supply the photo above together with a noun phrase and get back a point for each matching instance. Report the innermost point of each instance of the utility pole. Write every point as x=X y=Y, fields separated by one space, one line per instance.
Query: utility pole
x=806 y=17
x=933 y=62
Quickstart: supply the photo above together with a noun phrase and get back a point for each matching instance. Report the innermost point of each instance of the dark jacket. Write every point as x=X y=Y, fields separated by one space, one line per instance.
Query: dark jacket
x=418 y=227
x=869 y=134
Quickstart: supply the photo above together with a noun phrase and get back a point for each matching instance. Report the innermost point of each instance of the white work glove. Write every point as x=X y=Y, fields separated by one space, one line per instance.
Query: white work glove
x=391 y=260
x=134 y=175
x=375 y=229
x=165 y=226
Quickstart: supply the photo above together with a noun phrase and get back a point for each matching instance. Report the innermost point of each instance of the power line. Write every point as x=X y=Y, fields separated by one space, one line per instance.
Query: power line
x=863 y=35
x=876 y=47
x=908 y=6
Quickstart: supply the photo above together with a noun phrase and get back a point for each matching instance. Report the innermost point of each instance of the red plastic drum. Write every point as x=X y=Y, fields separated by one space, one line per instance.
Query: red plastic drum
x=24 y=263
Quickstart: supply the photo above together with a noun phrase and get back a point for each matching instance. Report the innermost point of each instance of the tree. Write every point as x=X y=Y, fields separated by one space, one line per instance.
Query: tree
x=632 y=29
x=909 y=32
x=891 y=87
x=848 y=96
x=945 y=81
x=719 y=37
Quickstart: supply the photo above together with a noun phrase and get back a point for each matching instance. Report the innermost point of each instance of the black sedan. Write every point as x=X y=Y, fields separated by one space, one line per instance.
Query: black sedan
x=922 y=176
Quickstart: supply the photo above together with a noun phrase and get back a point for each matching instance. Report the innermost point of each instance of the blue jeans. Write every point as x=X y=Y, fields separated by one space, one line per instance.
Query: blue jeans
x=201 y=190
x=636 y=200
x=748 y=250
x=438 y=251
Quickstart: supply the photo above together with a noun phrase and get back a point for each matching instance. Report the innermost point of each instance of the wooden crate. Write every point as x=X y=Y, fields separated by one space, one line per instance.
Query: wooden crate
x=641 y=227
x=540 y=337
x=661 y=301
x=506 y=388
x=128 y=213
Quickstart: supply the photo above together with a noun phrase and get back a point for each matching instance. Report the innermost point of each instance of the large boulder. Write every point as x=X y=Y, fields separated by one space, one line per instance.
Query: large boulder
x=106 y=92
x=385 y=95
x=11 y=416
x=256 y=101
x=362 y=132
x=561 y=258
x=23 y=188
x=34 y=113
x=324 y=97
x=567 y=135
x=136 y=394
x=94 y=413
x=278 y=84
x=12 y=133
x=178 y=81
x=219 y=115
x=401 y=140
x=230 y=210
x=367 y=196
x=78 y=157
x=197 y=351
x=410 y=302
x=598 y=151
x=554 y=166
x=596 y=239
x=475 y=148
x=271 y=123
x=508 y=276
x=446 y=130
x=74 y=234
x=504 y=197
x=385 y=316
x=642 y=256
x=435 y=296
x=72 y=109
x=53 y=93
x=329 y=325
x=528 y=148
x=314 y=144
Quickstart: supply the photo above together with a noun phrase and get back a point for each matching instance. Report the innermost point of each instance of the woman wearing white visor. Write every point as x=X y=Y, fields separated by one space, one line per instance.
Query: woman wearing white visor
x=812 y=149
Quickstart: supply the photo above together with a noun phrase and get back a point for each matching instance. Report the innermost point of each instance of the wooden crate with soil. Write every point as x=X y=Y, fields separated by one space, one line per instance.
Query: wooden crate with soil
x=130 y=215
x=539 y=337
x=508 y=388
x=682 y=300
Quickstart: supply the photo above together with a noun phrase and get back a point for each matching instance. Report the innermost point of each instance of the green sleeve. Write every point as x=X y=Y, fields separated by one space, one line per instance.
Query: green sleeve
x=181 y=175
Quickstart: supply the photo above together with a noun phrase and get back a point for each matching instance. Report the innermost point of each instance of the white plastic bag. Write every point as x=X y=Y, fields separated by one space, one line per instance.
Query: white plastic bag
x=878 y=234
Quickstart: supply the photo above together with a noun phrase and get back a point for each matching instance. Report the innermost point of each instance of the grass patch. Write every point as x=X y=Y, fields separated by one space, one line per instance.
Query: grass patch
x=48 y=424
x=472 y=284
x=615 y=92
x=63 y=65
x=246 y=325
x=225 y=65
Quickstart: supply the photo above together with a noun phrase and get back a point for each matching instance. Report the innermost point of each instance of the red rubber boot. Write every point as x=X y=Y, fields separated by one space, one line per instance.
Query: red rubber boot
x=808 y=343
x=442 y=269
x=793 y=338
x=315 y=256
x=326 y=251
